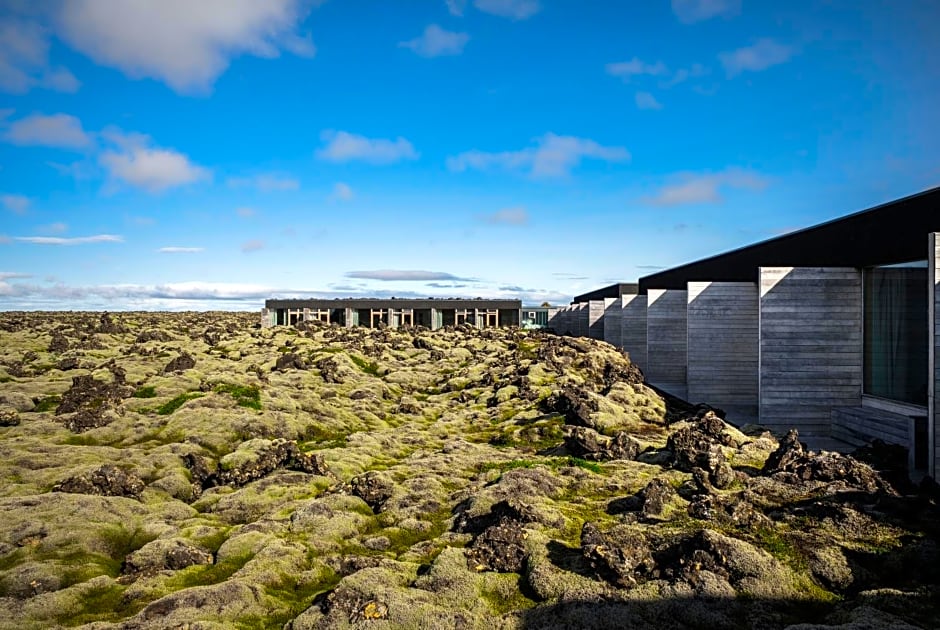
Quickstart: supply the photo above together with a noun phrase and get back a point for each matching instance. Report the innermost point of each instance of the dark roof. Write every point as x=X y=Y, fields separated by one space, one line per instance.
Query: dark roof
x=894 y=232
x=363 y=303
x=613 y=291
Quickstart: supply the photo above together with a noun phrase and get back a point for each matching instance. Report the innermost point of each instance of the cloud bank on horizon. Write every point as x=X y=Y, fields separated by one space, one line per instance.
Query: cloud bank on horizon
x=158 y=157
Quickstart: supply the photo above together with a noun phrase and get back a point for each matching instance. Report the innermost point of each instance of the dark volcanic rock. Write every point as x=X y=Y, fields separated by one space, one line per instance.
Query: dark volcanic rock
x=279 y=453
x=500 y=548
x=9 y=417
x=164 y=555
x=179 y=364
x=67 y=363
x=152 y=335
x=329 y=370
x=93 y=402
x=792 y=464
x=589 y=444
x=290 y=361
x=59 y=343
x=372 y=488
x=619 y=559
x=575 y=405
x=108 y=480
x=686 y=443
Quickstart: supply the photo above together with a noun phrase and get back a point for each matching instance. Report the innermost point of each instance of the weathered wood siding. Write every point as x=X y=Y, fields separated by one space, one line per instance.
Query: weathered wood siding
x=810 y=345
x=612 y=311
x=724 y=341
x=633 y=328
x=595 y=311
x=666 y=337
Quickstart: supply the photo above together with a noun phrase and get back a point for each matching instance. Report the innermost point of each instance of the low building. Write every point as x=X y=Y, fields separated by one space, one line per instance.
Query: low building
x=430 y=313
x=536 y=317
x=833 y=329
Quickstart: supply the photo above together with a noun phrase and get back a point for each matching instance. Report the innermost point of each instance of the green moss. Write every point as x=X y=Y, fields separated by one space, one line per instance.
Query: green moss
x=369 y=367
x=169 y=407
x=148 y=391
x=49 y=403
x=206 y=574
x=583 y=463
x=293 y=597
x=6 y=379
x=82 y=440
x=103 y=603
x=245 y=395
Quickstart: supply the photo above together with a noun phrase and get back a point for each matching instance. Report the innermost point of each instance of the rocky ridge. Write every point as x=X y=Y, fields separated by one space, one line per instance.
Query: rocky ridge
x=194 y=470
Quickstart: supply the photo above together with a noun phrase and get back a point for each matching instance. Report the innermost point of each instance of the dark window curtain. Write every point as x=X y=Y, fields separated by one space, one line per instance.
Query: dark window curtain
x=896 y=334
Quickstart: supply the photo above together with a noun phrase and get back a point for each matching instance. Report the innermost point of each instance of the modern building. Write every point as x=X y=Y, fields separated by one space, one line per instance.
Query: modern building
x=535 y=317
x=430 y=313
x=833 y=329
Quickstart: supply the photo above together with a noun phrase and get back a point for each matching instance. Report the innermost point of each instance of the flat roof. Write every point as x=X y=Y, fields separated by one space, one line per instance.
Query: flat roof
x=893 y=232
x=612 y=291
x=370 y=303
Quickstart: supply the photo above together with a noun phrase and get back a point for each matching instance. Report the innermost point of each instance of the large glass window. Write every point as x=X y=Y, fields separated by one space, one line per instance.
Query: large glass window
x=896 y=332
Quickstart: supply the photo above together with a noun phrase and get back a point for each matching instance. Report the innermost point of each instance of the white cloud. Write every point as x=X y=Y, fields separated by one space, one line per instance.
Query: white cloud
x=512 y=9
x=553 y=156
x=681 y=75
x=78 y=240
x=507 y=216
x=341 y=192
x=437 y=42
x=342 y=146
x=253 y=245
x=187 y=45
x=180 y=250
x=154 y=169
x=401 y=275
x=763 y=54
x=15 y=203
x=456 y=7
x=57 y=130
x=265 y=182
x=24 y=60
x=13 y=275
x=691 y=11
x=245 y=212
x=55 y=228
x=645 y=100
x=636 y=67
x=695 y=188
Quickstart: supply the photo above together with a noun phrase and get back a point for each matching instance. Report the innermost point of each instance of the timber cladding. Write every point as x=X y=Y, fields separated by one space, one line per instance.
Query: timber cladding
x=633 y=329
x=666 y=336
x=723 y=344
x=810 y=345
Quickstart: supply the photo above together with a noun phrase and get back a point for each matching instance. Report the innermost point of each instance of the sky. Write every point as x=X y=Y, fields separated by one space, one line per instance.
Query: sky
x=177 y=155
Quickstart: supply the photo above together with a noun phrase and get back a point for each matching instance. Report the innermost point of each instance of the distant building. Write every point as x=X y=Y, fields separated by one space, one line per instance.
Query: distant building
x=372 y=313
x=833 y=330
x=535 y=317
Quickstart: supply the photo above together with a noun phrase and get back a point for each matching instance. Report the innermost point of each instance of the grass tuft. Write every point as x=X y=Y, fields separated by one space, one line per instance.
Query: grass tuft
x=244 y=395
x=147 y=391
x=169 y=407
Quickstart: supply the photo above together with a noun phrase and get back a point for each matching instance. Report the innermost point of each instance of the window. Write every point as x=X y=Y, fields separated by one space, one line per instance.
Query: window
x=896 y=335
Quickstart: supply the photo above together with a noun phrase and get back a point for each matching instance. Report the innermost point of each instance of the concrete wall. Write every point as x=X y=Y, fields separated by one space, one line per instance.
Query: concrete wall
x=723 y=347
x=933 y=379
x=810 y=345
x=596 y=324
x=612 y=311
x=666 y=339
x=633 y=328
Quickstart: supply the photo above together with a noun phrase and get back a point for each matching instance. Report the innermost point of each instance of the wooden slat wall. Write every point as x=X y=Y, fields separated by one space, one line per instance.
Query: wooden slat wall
x=612 y=333
x=810 y=345
x=723 y=345
x=595 y=310
x=633 y=328
x=666 y=330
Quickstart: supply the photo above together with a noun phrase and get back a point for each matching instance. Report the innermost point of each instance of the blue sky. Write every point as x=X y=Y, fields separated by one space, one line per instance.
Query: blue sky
x=179 y=154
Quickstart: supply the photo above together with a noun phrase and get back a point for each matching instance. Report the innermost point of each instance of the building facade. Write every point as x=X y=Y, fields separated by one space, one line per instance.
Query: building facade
x=394 y=313
x=832 y=330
